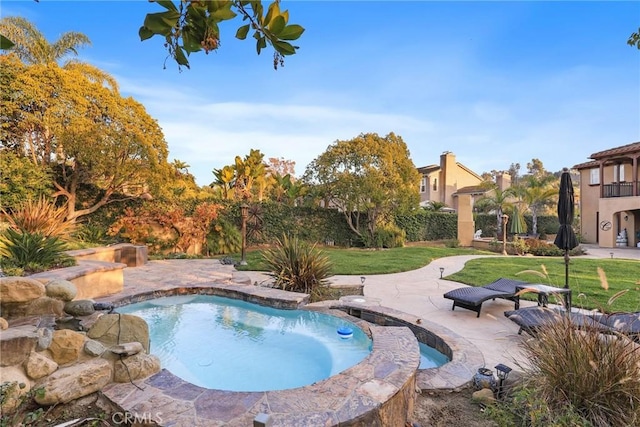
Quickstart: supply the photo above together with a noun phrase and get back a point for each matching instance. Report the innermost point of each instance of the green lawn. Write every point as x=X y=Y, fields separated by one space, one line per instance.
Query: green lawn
x=369 y=261
x=588 y=292
x=584 y=280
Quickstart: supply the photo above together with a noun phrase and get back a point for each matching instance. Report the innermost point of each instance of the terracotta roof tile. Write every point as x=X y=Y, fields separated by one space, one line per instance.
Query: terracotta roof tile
x=624 y=149
x=586 y=165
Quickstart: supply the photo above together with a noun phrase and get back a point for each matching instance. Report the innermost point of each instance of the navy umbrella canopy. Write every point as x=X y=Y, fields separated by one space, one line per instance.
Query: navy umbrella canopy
x=566 y=238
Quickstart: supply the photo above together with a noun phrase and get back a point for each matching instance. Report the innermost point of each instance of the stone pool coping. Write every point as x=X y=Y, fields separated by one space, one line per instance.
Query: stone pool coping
x=378 y=391
x=465 y=358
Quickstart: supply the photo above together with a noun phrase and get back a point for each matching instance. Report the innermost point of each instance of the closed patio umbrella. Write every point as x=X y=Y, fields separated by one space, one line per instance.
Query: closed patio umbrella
x=518 y=224
x=566 y=238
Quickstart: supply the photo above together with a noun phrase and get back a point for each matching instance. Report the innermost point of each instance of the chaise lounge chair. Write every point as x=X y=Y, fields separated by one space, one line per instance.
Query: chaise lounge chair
x=471 y=298
x=532 y=319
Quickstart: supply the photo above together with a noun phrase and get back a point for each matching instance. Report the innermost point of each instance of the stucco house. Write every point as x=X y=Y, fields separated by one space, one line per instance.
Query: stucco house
x=610 y=197
x=440 y=183
x=446 y=182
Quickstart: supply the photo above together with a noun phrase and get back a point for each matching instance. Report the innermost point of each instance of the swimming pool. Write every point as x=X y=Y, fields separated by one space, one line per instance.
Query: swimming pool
x=229 y=344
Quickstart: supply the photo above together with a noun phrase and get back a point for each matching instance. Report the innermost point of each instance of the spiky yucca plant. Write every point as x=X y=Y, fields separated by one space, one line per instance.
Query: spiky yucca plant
x=296 y=265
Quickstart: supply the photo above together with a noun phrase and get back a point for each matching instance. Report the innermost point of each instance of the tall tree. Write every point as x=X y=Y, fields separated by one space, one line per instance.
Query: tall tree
x=21 y=180
x=536 y=168
x=32 y=47
x=368 y=178
x=514 y=171
x=83 y=131
x=281 y=166
x=245 y=179
x=497 y=201
x=537 y=192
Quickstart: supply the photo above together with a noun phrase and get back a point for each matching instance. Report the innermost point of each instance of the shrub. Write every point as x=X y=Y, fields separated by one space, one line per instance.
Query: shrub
x=452 y=243
x=93 y=234
x=385 y=236
x=31 y=252
x=519 y=245
x=577 y=377
x=223 y=238
x=296 y=265
x=40 y=217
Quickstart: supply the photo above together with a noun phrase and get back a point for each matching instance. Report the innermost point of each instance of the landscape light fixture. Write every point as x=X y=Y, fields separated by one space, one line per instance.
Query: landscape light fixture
x=441 y=271
x=611 y=253
x=503 y=373
x=362 y=279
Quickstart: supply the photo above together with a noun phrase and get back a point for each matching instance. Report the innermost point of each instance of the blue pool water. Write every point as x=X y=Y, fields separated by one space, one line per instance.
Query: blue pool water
x=430 y=357
x=228 y=344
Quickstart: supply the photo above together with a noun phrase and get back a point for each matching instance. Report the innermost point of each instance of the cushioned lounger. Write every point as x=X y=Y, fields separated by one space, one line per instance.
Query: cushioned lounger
x=624 y=323
x=471 y=298
x=531 y=319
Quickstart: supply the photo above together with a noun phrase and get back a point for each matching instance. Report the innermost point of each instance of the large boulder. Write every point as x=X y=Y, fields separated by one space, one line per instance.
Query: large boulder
x=16 y=344
x=66 y=346
x=60 y=289
x=75 y=381
x=83 y=307
x=38 y=366
x=45 y=305
x=135 y=367
x=15 y=385
x=20 y=289
x=115 y=328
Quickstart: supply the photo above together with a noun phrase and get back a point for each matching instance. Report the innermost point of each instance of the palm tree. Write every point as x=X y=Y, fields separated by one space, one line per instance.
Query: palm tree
x=496 y=200
x=33 y=48
x=537 y=193
x=180 y=166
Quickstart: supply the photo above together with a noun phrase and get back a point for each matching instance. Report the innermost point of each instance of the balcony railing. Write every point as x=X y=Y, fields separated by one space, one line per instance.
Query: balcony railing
x=618 y=189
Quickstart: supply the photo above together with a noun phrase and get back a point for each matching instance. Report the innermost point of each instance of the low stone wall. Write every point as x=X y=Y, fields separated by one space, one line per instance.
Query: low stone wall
x=99 y=270
x=126 y=253
x=93 y=279
x=482 y=244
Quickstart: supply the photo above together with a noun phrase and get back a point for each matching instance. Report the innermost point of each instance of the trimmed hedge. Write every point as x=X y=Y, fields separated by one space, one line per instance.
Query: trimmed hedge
x=268 y=221
x=426 y=225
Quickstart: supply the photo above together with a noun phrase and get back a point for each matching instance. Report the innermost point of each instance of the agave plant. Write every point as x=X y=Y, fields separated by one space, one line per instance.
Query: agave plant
x=297 y=265
x=31 y=252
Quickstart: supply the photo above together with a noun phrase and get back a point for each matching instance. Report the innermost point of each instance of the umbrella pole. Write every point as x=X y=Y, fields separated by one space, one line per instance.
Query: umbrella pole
x=566 y=269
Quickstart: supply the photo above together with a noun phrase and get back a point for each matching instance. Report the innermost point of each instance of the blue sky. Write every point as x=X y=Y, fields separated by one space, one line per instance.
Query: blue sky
x=493 y=82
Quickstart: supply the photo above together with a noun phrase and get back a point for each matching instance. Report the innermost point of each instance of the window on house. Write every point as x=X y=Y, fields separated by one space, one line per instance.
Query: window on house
x=423 y=184
x=435 y=184
x=594 y=176
x=615 y=173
